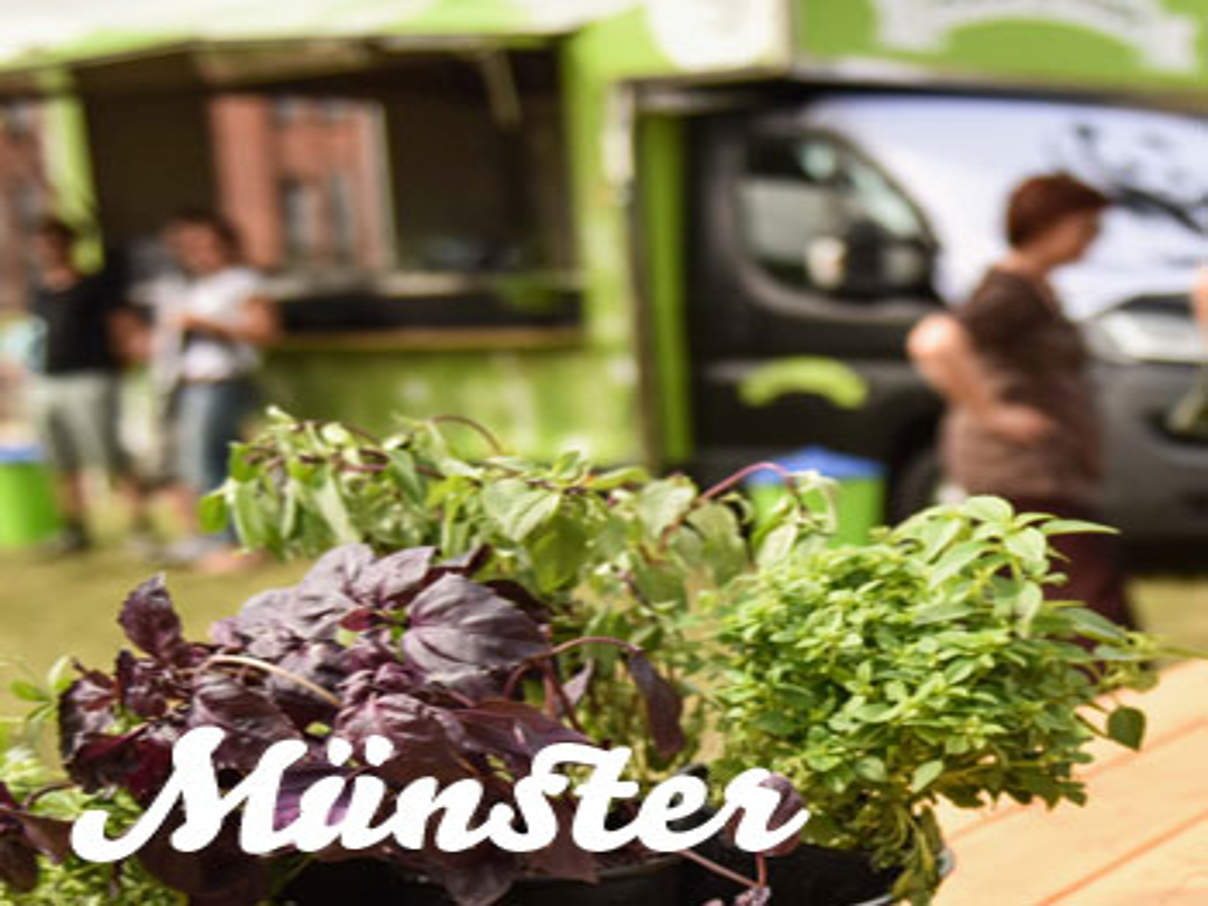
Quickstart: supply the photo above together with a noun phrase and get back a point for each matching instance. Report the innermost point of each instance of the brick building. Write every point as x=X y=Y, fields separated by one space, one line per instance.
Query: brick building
x=23 y=195
x=299 y=177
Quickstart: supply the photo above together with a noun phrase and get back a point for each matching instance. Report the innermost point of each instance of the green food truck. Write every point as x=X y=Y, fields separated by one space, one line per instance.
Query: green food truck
x=692 y=232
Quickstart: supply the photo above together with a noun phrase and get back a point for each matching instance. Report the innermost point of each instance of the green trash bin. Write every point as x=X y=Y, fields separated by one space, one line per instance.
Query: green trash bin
x=860 y=506
x=27 y=507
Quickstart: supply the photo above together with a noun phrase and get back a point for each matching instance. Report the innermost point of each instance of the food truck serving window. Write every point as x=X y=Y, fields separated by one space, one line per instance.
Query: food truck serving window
x=818 y=216
x=428 y=176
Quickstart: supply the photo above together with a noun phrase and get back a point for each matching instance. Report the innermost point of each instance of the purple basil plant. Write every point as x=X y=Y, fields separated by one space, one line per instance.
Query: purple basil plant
x=461 y=675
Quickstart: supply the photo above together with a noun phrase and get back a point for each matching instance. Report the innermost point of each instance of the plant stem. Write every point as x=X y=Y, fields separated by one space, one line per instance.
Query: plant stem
x=239 y=660
x=719 y=869
x=483 y=431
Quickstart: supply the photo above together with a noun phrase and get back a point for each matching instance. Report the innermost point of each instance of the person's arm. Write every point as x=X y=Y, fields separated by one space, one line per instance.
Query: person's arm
x=258 y=323
x=129 y=336
x=945 y=356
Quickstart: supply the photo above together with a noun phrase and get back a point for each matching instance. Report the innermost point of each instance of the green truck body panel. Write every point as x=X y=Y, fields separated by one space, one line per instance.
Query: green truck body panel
x=601 y=393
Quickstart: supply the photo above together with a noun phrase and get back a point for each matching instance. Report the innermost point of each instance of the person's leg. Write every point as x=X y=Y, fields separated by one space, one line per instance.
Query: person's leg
x=227 y=407
x=209 y=418
x=54 y=433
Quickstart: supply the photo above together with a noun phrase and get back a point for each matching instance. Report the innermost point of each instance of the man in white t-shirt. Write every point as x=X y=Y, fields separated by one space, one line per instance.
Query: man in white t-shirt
x=222 y=317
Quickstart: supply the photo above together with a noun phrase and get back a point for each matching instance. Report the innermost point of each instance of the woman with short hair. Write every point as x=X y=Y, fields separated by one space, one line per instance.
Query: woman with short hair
x=1022 y=421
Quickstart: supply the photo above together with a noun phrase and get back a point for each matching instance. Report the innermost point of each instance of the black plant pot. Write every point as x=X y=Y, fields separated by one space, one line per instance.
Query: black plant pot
x=653 y=883
x=808 y=876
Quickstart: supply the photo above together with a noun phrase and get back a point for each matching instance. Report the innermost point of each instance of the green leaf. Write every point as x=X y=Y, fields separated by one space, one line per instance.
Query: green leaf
x=988 y=509
x=558 y=553
x=1126 y=726
x=776 y=545
x=938 y=534
x=616 y=478
x=663 y=503
x=871 y=768
x=955 y=560
x=212 y=512
x=405 y=474
x=926 y=774
x=248 y=515
x=518 y=509
x=332 y=508
x=1030 y=545
x=238 y=465
x=1076 y=527
x=27 y=691
x=1027 y=604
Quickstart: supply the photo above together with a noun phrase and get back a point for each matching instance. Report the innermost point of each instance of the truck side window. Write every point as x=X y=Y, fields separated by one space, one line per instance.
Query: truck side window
x=818 y=216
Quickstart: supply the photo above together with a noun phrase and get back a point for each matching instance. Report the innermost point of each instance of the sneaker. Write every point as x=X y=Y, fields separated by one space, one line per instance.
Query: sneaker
x=71 y=540
x=145 y=544
x=190 y=550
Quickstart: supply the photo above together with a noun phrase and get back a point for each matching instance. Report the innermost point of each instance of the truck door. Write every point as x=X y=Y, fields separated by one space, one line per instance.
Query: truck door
x=806 y=264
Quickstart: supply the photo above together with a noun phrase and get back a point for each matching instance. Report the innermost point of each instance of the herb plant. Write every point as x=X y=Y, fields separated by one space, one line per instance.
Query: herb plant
x=927 y=665
x=460 y=674
x=613 y=553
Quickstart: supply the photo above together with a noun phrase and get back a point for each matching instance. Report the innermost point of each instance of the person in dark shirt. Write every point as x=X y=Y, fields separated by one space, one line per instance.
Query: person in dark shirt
x=1022 y=421
x=82 y=328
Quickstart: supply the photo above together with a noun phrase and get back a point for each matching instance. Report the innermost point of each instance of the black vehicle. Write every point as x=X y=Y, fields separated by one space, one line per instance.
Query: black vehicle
x=828 y=227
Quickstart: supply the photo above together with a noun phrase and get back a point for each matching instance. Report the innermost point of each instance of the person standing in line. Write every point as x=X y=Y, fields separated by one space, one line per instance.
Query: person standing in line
x=83 y=330
x=223 y=318
x=1022 y=421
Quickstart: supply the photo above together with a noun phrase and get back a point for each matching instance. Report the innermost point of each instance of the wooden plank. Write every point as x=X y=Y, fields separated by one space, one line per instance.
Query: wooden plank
x=1031 y=853
x=1178 y=703
x=1173 y=871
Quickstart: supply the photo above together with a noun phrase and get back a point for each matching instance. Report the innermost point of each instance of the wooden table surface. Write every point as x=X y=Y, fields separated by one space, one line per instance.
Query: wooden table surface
x=1141 y=840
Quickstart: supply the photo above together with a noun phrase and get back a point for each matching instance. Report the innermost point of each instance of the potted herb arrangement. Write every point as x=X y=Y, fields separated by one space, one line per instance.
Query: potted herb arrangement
x=472 y=608
x=925 y=666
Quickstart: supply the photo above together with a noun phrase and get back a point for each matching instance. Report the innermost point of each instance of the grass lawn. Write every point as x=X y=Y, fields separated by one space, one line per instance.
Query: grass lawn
x=70 y=606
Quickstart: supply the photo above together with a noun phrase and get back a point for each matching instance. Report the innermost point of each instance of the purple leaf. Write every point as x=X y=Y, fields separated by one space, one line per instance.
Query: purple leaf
x=151 y=623
x=461 y=634
x=139 y=760
x=576 y=687
x=49 y=836
x=221 y=874
x=339 y=568
x=85 y=709
x=790 y=805
x=513 y=730
x=564 y=858
x=142 y=685
x=252 y=721
x=427 y=740
x=18 y=864
x=476 y=877
x=388 y=581
x=663 y=705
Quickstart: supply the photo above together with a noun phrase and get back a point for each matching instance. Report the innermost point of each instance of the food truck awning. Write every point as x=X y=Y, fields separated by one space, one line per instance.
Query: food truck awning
x=231 y=40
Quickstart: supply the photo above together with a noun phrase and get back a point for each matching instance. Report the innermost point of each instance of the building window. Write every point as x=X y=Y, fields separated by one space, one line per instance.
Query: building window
x=299 y=220
x=343 y=220
x=287 y=109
